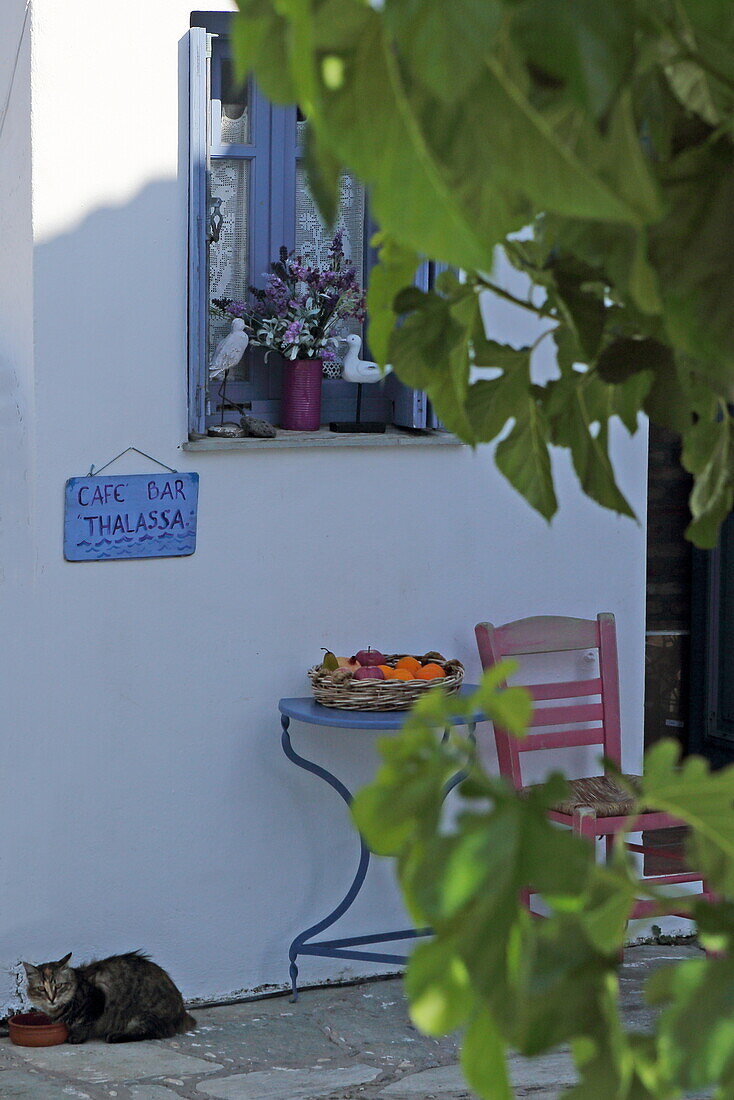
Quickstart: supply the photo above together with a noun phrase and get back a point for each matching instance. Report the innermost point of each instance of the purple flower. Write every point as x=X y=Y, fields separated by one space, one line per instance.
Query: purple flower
x=293 y=332
x=237 y=309
x=336 y=248
x=300 y=304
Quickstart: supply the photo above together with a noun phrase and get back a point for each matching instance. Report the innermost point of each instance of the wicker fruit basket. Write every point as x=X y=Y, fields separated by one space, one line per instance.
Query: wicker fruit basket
x=337 y=689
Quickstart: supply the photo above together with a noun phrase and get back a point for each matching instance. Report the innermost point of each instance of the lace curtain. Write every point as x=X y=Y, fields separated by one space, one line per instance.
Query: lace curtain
x=229 y=276
x=313 y=239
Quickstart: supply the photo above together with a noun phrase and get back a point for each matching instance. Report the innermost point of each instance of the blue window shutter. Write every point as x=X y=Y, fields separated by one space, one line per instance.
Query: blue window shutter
x=409 y=407
x=255 y=389
x=198 y=173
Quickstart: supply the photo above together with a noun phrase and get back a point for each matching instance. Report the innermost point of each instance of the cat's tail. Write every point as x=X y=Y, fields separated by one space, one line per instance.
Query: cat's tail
x=188 y=1023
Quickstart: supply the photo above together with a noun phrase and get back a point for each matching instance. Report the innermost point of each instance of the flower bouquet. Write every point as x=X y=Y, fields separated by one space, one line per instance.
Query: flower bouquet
x=297 y=314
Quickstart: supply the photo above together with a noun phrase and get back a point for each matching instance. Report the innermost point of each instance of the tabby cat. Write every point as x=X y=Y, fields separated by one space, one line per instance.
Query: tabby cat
x=119 y=999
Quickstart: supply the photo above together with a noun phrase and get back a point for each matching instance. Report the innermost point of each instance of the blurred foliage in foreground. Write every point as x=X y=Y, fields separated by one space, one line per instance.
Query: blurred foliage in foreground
x=606 y=127
x=512 y=982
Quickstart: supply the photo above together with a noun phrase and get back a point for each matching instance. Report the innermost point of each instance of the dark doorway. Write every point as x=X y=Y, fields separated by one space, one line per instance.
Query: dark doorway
x=712 y=663
x=668 y=622
x=669 y=593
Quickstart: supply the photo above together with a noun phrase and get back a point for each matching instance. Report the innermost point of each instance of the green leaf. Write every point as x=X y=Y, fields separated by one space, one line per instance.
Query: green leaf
x=700 y=990
x=450 y=873
x=566 y=176
x=604 y=918
x=449 y=62
x=395 y=269
x=693 y=251
x=708 y=453
x=627 y=400
x=491 y=403
x=337 y=26
x=618 y=253
x=300 y=50
x=510 y=709
x=376 y=129
x=587 y=46
x=560 y=118
x=627 y=167
x=393 y=809
x=561 y=981
x=700 y=66
x=324 y=176
x=483 y=1059
x=555 y=861
x=664 y=398
x=692 y=86
x=623 y=1069
x=702 y=799
x=438 y=988
x=574 y=423
x=260 y=40
x=524 y=459
x=431 y=351
x=586 y=311
x=625 y=357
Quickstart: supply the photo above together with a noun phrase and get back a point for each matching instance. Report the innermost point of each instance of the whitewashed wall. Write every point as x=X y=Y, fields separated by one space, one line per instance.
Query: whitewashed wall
x=144 y=798
x=17 y=454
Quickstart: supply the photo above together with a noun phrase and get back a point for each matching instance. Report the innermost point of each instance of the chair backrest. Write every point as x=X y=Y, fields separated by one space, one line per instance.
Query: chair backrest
x=596 y=723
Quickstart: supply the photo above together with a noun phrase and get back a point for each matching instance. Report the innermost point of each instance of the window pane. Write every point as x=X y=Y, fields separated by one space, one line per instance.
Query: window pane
x=300 y=127
x=228 y=239
x=235 y=107
x=313 y=238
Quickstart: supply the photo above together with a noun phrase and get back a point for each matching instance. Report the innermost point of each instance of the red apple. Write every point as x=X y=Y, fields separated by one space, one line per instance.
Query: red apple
x=369 y=672
x=369 y=656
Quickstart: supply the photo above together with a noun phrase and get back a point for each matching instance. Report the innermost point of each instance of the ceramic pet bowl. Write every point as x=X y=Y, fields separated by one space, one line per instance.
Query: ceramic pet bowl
x=35 y=1029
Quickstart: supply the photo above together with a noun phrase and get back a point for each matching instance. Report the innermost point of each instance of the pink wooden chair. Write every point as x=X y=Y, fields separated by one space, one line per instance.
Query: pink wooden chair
x=596 y=806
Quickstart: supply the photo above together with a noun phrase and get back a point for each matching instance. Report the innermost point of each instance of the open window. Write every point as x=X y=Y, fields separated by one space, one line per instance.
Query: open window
x=248 y=197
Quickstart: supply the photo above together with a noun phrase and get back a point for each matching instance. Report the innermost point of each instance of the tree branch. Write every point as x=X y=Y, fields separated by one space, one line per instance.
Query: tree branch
x=541 y=311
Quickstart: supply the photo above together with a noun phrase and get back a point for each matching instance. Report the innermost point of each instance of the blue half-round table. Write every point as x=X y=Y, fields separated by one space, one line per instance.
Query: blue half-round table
x=306 y=709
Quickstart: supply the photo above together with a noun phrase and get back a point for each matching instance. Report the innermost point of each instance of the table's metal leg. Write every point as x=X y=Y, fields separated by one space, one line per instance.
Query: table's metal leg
x=364 y=856
x=460 y=776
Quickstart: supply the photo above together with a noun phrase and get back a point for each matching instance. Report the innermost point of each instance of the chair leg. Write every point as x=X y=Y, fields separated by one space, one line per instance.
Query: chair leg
x=584 y=822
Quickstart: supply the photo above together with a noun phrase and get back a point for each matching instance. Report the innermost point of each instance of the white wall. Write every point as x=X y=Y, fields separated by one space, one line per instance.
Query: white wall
x=145 y=800
x=16 y=405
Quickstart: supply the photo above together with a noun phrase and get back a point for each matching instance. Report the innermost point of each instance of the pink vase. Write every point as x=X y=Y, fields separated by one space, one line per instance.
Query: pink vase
x=300 y=395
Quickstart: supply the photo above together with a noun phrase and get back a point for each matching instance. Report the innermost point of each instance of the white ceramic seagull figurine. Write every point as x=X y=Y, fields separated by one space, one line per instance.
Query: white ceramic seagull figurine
x=229 y=350
x=360 y=370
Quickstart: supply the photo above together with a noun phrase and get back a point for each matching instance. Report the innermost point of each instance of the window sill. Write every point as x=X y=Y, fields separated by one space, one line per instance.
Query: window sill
x=392 y=437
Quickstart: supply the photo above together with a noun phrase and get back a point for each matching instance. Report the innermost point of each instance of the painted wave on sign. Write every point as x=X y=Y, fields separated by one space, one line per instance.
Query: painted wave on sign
x=175 y=543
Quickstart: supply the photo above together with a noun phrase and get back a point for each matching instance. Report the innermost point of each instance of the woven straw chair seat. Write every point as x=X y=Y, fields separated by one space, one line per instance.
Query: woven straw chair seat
x=601 y=792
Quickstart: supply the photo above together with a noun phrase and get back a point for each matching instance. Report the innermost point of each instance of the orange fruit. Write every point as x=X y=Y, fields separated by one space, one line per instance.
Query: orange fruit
x=399 y=674
x=408 y=663
x=387 y=670
x=431 y=671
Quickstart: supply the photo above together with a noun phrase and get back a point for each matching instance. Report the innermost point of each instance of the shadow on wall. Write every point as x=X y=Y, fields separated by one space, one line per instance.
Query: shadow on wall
x=110 y=311
x=110 y=318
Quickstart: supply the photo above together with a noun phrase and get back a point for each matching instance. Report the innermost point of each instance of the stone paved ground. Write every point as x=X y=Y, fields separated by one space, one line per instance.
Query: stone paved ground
x=348 y=1043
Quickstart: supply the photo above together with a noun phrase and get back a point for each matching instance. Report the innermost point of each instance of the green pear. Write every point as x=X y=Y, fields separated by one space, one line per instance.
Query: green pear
x=330 y=662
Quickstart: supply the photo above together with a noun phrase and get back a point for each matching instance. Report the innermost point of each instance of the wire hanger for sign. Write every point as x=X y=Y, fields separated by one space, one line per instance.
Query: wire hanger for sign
x=96 y=473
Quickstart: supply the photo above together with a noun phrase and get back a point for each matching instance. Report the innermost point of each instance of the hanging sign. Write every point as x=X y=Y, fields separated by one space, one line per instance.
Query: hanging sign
x=135 y=516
